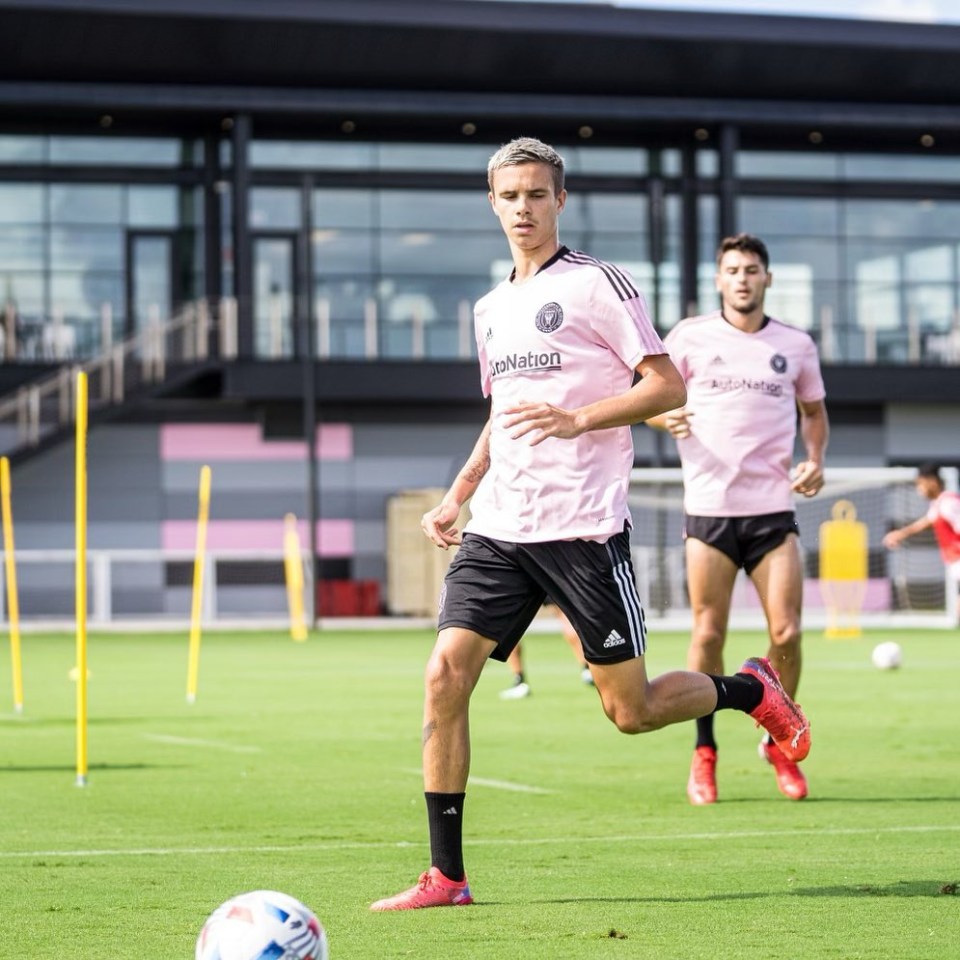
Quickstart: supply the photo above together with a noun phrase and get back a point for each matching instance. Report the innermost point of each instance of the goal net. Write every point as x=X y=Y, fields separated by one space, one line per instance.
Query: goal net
x=903 y=587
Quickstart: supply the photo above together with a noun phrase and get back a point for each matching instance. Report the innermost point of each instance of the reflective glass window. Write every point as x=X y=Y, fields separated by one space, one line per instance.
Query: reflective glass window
x=76 y=203
x=24 y=150
x=86 y=248
x=152 y=206
x=21 y=248
x=21 y=203
x=274 y=208
x=900 y=168
x=116 y=151
x=777 y=165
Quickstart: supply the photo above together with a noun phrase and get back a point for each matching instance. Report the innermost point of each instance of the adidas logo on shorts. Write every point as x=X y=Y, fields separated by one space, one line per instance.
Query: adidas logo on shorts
x=614 y=640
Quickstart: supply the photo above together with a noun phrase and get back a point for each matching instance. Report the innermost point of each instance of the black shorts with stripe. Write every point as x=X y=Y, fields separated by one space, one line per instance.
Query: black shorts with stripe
x=495 y=588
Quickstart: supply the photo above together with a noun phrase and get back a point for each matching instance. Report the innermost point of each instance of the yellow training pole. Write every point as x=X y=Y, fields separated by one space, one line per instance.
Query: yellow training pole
x=81 y=578
x=203 y=514
x=13 y=602
x=293 y=567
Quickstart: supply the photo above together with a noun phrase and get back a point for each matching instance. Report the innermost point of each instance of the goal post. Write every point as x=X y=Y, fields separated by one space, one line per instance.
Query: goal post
x=905 y=587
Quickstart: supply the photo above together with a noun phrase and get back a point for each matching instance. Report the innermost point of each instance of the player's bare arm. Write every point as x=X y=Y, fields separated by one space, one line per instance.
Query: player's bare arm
x=896 y=537
x=438 y=523
x=815 y=431
x=659 y=389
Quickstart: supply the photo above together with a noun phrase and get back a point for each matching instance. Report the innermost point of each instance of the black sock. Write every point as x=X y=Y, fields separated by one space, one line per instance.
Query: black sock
x=445 y=816
x=739 y=692
x=705 y=732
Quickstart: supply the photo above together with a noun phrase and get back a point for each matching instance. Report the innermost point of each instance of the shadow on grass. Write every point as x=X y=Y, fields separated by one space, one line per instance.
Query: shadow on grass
x=93 y=768
x=902 y=888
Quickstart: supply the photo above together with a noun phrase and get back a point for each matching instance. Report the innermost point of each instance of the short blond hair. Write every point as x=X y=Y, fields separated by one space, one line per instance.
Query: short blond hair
x=527 y=150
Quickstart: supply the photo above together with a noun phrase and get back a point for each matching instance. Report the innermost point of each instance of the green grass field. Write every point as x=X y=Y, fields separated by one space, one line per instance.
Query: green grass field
x=297 y=770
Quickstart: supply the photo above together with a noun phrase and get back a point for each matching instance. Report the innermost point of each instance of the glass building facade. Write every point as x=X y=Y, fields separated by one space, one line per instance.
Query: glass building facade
x=382 y=247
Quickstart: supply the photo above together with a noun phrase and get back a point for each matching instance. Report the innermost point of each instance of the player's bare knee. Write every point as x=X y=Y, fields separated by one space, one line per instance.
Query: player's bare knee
x=629 y=718
x=446 y=681
x=785 y=637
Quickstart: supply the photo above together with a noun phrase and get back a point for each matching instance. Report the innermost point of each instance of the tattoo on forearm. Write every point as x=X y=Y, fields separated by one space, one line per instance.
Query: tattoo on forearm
x=476 y=468
x=428 y=731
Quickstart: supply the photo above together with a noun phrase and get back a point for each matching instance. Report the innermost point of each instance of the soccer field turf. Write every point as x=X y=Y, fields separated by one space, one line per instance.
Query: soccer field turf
x=297 y=769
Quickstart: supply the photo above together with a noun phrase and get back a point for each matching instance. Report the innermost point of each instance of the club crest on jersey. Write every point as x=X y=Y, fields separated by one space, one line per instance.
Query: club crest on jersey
x=779 y=363
x=549 y=317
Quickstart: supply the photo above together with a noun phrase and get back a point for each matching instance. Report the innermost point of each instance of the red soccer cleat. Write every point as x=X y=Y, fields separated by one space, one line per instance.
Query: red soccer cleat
x=432 y=890
x=702 y=785
x=791 y=782
x=777 y=713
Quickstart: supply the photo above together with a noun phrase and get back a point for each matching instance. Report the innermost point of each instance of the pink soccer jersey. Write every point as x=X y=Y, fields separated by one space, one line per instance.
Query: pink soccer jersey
x=742 y=389
x=571 y=335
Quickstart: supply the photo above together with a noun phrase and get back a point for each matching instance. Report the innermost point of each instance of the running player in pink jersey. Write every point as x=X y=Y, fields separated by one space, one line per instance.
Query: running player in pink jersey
x=569 y=360
x=943 y=517
x=747 y=375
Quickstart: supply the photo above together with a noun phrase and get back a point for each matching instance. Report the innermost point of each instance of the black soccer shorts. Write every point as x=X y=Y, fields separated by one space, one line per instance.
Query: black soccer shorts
x=745 y=540
x=495 y=588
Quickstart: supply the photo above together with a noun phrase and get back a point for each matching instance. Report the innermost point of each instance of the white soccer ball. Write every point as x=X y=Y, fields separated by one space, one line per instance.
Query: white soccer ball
x=262 y=925
x=887 y=656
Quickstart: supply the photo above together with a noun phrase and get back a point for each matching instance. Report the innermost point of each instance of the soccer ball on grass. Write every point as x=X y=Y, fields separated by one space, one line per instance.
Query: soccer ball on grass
x=887 y=656
x=262 y=925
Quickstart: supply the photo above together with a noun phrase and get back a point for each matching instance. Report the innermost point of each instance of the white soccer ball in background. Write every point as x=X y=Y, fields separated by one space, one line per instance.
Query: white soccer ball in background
x=262 y=925
x=887 y=656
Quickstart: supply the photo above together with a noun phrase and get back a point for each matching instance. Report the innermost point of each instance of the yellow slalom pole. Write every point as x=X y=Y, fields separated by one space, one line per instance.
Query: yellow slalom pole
x=203 y=514
x=293 y=567
x=81 y=578
x=13 y=601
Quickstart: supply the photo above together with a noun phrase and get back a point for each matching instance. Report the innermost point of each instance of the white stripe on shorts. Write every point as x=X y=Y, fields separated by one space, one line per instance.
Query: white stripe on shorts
x=623 y=575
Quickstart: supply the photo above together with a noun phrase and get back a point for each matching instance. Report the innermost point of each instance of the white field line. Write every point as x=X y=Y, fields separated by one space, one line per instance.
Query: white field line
x=499 y=841
x=208 y=744
x=495 y=784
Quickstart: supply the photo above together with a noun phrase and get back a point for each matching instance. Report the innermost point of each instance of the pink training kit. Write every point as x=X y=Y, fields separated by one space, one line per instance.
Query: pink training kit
x=742 y=389
x=571 y=335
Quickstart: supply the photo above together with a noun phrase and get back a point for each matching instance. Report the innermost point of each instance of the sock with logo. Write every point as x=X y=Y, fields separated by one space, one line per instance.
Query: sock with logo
x=445 y=816
x=739 y=692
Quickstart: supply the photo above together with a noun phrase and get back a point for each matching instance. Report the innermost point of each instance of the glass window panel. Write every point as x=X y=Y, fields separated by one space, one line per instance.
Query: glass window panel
x=344 y=208
x=605 y=160
x=423 y=252
x=71 y=203
x=21 y=248
x=150 y=272
x=902 y=218
x=782 y=165
x=931 y=305
x=274 y=208
x=471 y=157
x=24 y=291
x=671 y=163
x=930 y=263
x=451 y=209
x=273 y=297
x=80 y=296
x=922 y=169
x=342 y=252
x=281 y=154
x=708 y=163
x=595 y=213
x=86 y=248
x=788 y=216
x=15 y=150
x=115 y=151
x=152 y=207
x=821 y=255
x=341 y=305
x=21 y=203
